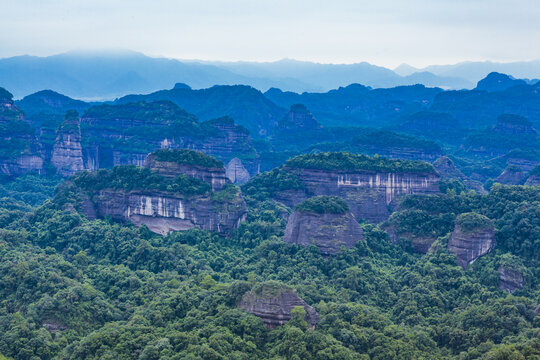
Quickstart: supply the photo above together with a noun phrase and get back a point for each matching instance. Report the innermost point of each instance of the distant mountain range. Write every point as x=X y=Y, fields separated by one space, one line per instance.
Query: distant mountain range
x=108 y=75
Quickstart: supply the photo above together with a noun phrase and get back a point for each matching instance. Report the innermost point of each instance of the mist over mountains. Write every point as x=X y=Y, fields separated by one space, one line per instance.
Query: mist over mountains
x=107 y=75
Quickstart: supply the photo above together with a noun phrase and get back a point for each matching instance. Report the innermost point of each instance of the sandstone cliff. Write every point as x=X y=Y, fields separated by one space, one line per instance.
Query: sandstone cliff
x=473 y=236
x=20 y=152
x=325 y=228
x=273 y=304
x=163 y=212
x=510 y=279
x=171 y=163
x=67 y=156
x=512 y=175
x=124 y=134
x=511 y=124
x=297 y=119
x=447 y=170
x=371 y=187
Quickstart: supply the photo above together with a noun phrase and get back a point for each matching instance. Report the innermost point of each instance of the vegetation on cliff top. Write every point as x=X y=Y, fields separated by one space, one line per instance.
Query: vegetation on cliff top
x=324 y=205
x=352 y=162
x=470 y=221
x=187 y=157
x=132 y=177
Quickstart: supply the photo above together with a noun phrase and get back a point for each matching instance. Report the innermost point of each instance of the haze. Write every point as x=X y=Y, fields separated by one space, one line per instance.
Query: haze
x=385 y=33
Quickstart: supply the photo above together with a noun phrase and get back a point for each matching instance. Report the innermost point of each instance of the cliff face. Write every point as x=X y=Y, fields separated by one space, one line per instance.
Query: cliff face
x=533 y=180
x=215 y=176
x=370 y=195
x=326 y=231
x=236 y=172
x=510 y=279
x=446 y=168
x=125 y=134
x=274 y=306
x=510 y=124
x=164 y=212
x=67 y=156
x=512 y=175
x=470 y=245
x=20 y=152
x=297 y=119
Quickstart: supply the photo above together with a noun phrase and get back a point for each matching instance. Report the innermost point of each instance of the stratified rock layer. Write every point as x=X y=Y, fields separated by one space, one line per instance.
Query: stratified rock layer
x=215 y=176
x=163 y=212
x=512 y=175
x=236 y=172
x=329 y=232
x=510 y=279
x=67 y=156
x=274 y=306
x=470 y=245
x=369 y=194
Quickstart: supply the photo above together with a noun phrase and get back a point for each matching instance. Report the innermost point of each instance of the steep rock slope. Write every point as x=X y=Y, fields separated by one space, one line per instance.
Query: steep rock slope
x=163 y=204
x=473 y=236
x=173 y=163
x=67 y=156
x=125 y=134
x=20 y=152
x=510 y=279
x=323 y=221
x=512 y=175
x=370 y=186
x=446 y=168
x=273 y=303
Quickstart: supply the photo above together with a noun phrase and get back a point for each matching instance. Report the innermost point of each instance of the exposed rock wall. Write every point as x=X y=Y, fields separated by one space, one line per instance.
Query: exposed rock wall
x=20 y=152
x=370 y=195
x=214 y=176
x=533 y=180
x=512 y=175
x=470 y=245
x=446 y=168
x=67 y=156
x=165 y=212
x=326 y=231
x=275 y=308
x=236 y=172
x=510 y=279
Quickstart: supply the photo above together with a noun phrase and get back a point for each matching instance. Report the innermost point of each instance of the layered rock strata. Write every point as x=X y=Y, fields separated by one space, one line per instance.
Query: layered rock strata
x=469 y=244
x=67 y=156
x=510 y=279
x=329 y=232
x=274 y=306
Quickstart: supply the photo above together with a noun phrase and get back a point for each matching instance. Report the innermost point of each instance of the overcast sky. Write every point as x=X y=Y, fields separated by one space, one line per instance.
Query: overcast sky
x=383 y=32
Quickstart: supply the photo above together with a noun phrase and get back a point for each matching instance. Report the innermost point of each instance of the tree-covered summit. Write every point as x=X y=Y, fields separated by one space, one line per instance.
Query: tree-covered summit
x=323 y=205
x=186 y=157
x=352 y=162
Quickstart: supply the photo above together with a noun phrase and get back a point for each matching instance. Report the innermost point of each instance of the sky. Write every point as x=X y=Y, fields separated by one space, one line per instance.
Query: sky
x=382 y=32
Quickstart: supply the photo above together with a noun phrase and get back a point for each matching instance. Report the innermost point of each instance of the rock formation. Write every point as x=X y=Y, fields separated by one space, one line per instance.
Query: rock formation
x=163 y=212
x=297 y=119
x=172 y=163
x=473 y=236
x=325 y=228
x=446 y=168
x=512 y=175
x=124 y=134
x=510 y=279
x=511 y=124
x=20 y=152
x=67 y=156
x=273 y=303
x=185 y=191
x=236 y=172
x=534 y=177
